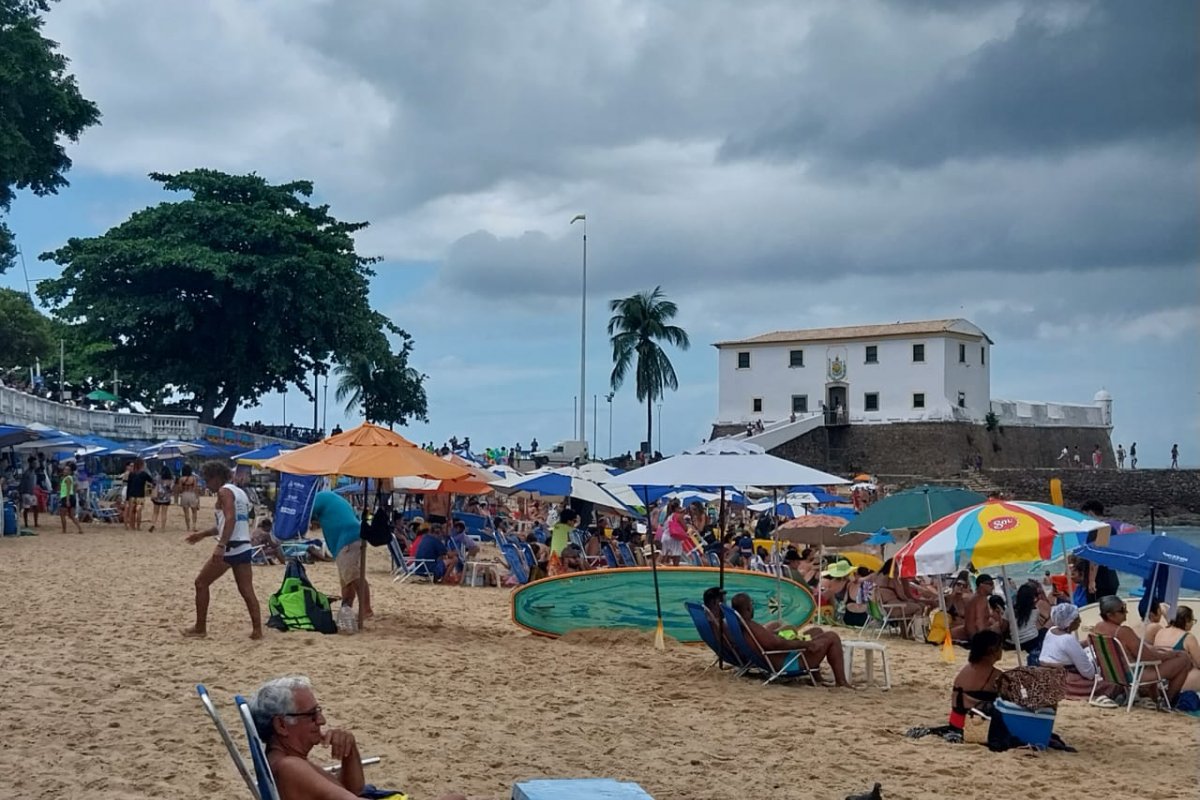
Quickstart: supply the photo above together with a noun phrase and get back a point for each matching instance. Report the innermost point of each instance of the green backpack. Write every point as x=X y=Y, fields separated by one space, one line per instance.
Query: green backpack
x=298 y=606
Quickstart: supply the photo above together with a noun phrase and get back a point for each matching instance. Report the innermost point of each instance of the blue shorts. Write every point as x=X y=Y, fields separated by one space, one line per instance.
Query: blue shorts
x=241 y=558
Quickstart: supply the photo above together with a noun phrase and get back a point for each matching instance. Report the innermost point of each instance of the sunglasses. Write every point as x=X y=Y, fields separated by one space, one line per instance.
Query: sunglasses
x=312 y=715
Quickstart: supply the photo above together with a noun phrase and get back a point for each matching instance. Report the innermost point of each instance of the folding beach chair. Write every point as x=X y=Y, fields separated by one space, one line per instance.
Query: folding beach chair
x=626 y=553
x=403 y=570
x=100 y=512
x=530 y=557
x=1113 y=665
x=695 y=558
x=258 y=755
x=516 y=565
x=886 y=616
x=610 y=555
x=238 y=761
x=706 y=626
x=714 y=559
x=794 y=664
x=577 y=538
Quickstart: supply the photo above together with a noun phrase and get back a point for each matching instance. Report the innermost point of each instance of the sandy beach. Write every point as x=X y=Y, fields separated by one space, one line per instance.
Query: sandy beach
x=99 y=702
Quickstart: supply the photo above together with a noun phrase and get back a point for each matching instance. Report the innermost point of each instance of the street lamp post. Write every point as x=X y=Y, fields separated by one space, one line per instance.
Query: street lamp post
x=583 y=335
x=659 y=448
x=595 y=417
x=609 y=398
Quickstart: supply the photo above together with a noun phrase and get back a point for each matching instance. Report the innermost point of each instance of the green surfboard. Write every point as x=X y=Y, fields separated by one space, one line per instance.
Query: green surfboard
x=624 y=598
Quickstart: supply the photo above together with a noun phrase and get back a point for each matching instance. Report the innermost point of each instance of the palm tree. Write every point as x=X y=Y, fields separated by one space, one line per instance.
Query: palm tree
x=639 y=322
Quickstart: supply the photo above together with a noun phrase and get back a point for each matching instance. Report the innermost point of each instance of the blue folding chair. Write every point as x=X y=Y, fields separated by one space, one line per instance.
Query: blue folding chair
x=725 y=655
x=610 y=556
x=626 y=554
x=516 y=565
x=794 y=666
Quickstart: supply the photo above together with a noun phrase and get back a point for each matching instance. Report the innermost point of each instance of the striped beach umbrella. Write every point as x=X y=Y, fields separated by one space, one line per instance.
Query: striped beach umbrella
x=993 y=534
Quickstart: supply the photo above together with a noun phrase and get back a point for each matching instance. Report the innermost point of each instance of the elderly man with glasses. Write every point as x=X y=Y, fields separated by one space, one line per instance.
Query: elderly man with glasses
x=289 y=721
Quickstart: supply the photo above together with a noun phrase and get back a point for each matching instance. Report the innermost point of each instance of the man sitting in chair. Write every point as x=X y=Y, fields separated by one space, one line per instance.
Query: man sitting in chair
x=289 y=722
x=823 y=646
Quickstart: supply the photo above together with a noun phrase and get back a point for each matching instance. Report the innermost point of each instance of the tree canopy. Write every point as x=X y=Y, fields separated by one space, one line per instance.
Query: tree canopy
x=40 y=105
x=639 y=322
x=240 y=290
x=25 y=334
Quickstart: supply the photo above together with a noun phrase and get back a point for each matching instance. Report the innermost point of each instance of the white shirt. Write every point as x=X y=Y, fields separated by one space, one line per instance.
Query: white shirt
x=1064 y=650
x=239 y=540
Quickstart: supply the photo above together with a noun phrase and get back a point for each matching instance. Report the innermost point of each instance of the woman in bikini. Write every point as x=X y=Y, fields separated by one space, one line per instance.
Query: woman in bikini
x=976 y=687
x=187 y=488
x=1178 y=636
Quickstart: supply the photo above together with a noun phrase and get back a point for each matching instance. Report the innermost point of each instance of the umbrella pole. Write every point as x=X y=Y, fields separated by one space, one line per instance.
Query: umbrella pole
x=1012 y=616
x=722 y=520
x=778 y=576
x=819 y=588
x=1142 y=638
x=658 y=631
x=362 y=560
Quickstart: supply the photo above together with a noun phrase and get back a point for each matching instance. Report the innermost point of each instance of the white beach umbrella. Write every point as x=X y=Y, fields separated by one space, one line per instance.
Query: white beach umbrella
x=725 y=463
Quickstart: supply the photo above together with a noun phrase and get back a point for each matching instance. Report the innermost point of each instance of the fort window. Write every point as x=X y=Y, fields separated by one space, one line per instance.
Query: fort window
x=756 y=405
x=872 y=354
x=795 y=358
x=918 y=354
x=744 y=359
x=871 y=401
x=918 y=399
x=799 y=404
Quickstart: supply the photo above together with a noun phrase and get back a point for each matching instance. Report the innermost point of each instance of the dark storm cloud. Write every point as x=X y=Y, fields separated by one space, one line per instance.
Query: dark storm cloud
x=1092 y=74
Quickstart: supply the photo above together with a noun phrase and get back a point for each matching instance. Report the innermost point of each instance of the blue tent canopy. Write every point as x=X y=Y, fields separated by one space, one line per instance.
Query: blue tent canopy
x=16 y=434
x=261 y=453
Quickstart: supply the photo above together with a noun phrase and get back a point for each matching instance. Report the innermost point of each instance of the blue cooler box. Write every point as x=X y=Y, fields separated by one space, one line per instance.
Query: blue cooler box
x=10 y=519
x=1031 y=727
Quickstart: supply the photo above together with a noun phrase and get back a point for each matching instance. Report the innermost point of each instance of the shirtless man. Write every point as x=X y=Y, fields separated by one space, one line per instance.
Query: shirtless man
x=289 y=722
x=979 y=615
x=823 y=646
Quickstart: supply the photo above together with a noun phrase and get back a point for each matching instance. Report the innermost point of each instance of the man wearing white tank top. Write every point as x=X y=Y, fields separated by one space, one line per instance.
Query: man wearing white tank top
x=232 y=551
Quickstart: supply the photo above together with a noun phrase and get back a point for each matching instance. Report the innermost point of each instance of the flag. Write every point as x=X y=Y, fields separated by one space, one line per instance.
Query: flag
x=578 y=217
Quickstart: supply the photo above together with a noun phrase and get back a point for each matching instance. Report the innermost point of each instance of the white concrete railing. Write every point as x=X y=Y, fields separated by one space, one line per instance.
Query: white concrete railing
x=778 y=433
x=19 y=408
x=1020 y=412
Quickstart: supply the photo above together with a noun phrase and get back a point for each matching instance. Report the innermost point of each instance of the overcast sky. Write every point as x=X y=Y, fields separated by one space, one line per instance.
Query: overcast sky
x=1031 y=166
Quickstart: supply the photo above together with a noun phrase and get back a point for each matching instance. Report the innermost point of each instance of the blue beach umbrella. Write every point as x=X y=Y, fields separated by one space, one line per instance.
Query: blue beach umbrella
x=881 y=537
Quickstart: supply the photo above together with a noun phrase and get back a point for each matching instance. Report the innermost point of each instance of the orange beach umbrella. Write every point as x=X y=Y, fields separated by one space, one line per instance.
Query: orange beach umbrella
x=367 y=451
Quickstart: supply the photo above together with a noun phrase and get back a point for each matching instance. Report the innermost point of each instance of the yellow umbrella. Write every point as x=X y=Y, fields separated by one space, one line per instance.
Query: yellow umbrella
x=871 y=562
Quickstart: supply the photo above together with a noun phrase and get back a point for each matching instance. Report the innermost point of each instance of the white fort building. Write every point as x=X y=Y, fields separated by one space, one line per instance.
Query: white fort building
x=930 y=371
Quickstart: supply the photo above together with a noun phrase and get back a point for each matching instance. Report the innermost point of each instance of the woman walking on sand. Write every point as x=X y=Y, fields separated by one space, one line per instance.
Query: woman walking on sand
x=67 y=498
x=189 y=496
x=161 y=498
x=232 y=550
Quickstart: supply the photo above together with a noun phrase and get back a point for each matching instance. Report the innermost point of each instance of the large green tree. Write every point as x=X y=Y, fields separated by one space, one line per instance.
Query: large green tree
x=242 y=289
x=40 y=106
x=25 y=334
x=638 y=324
x=382 y=386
